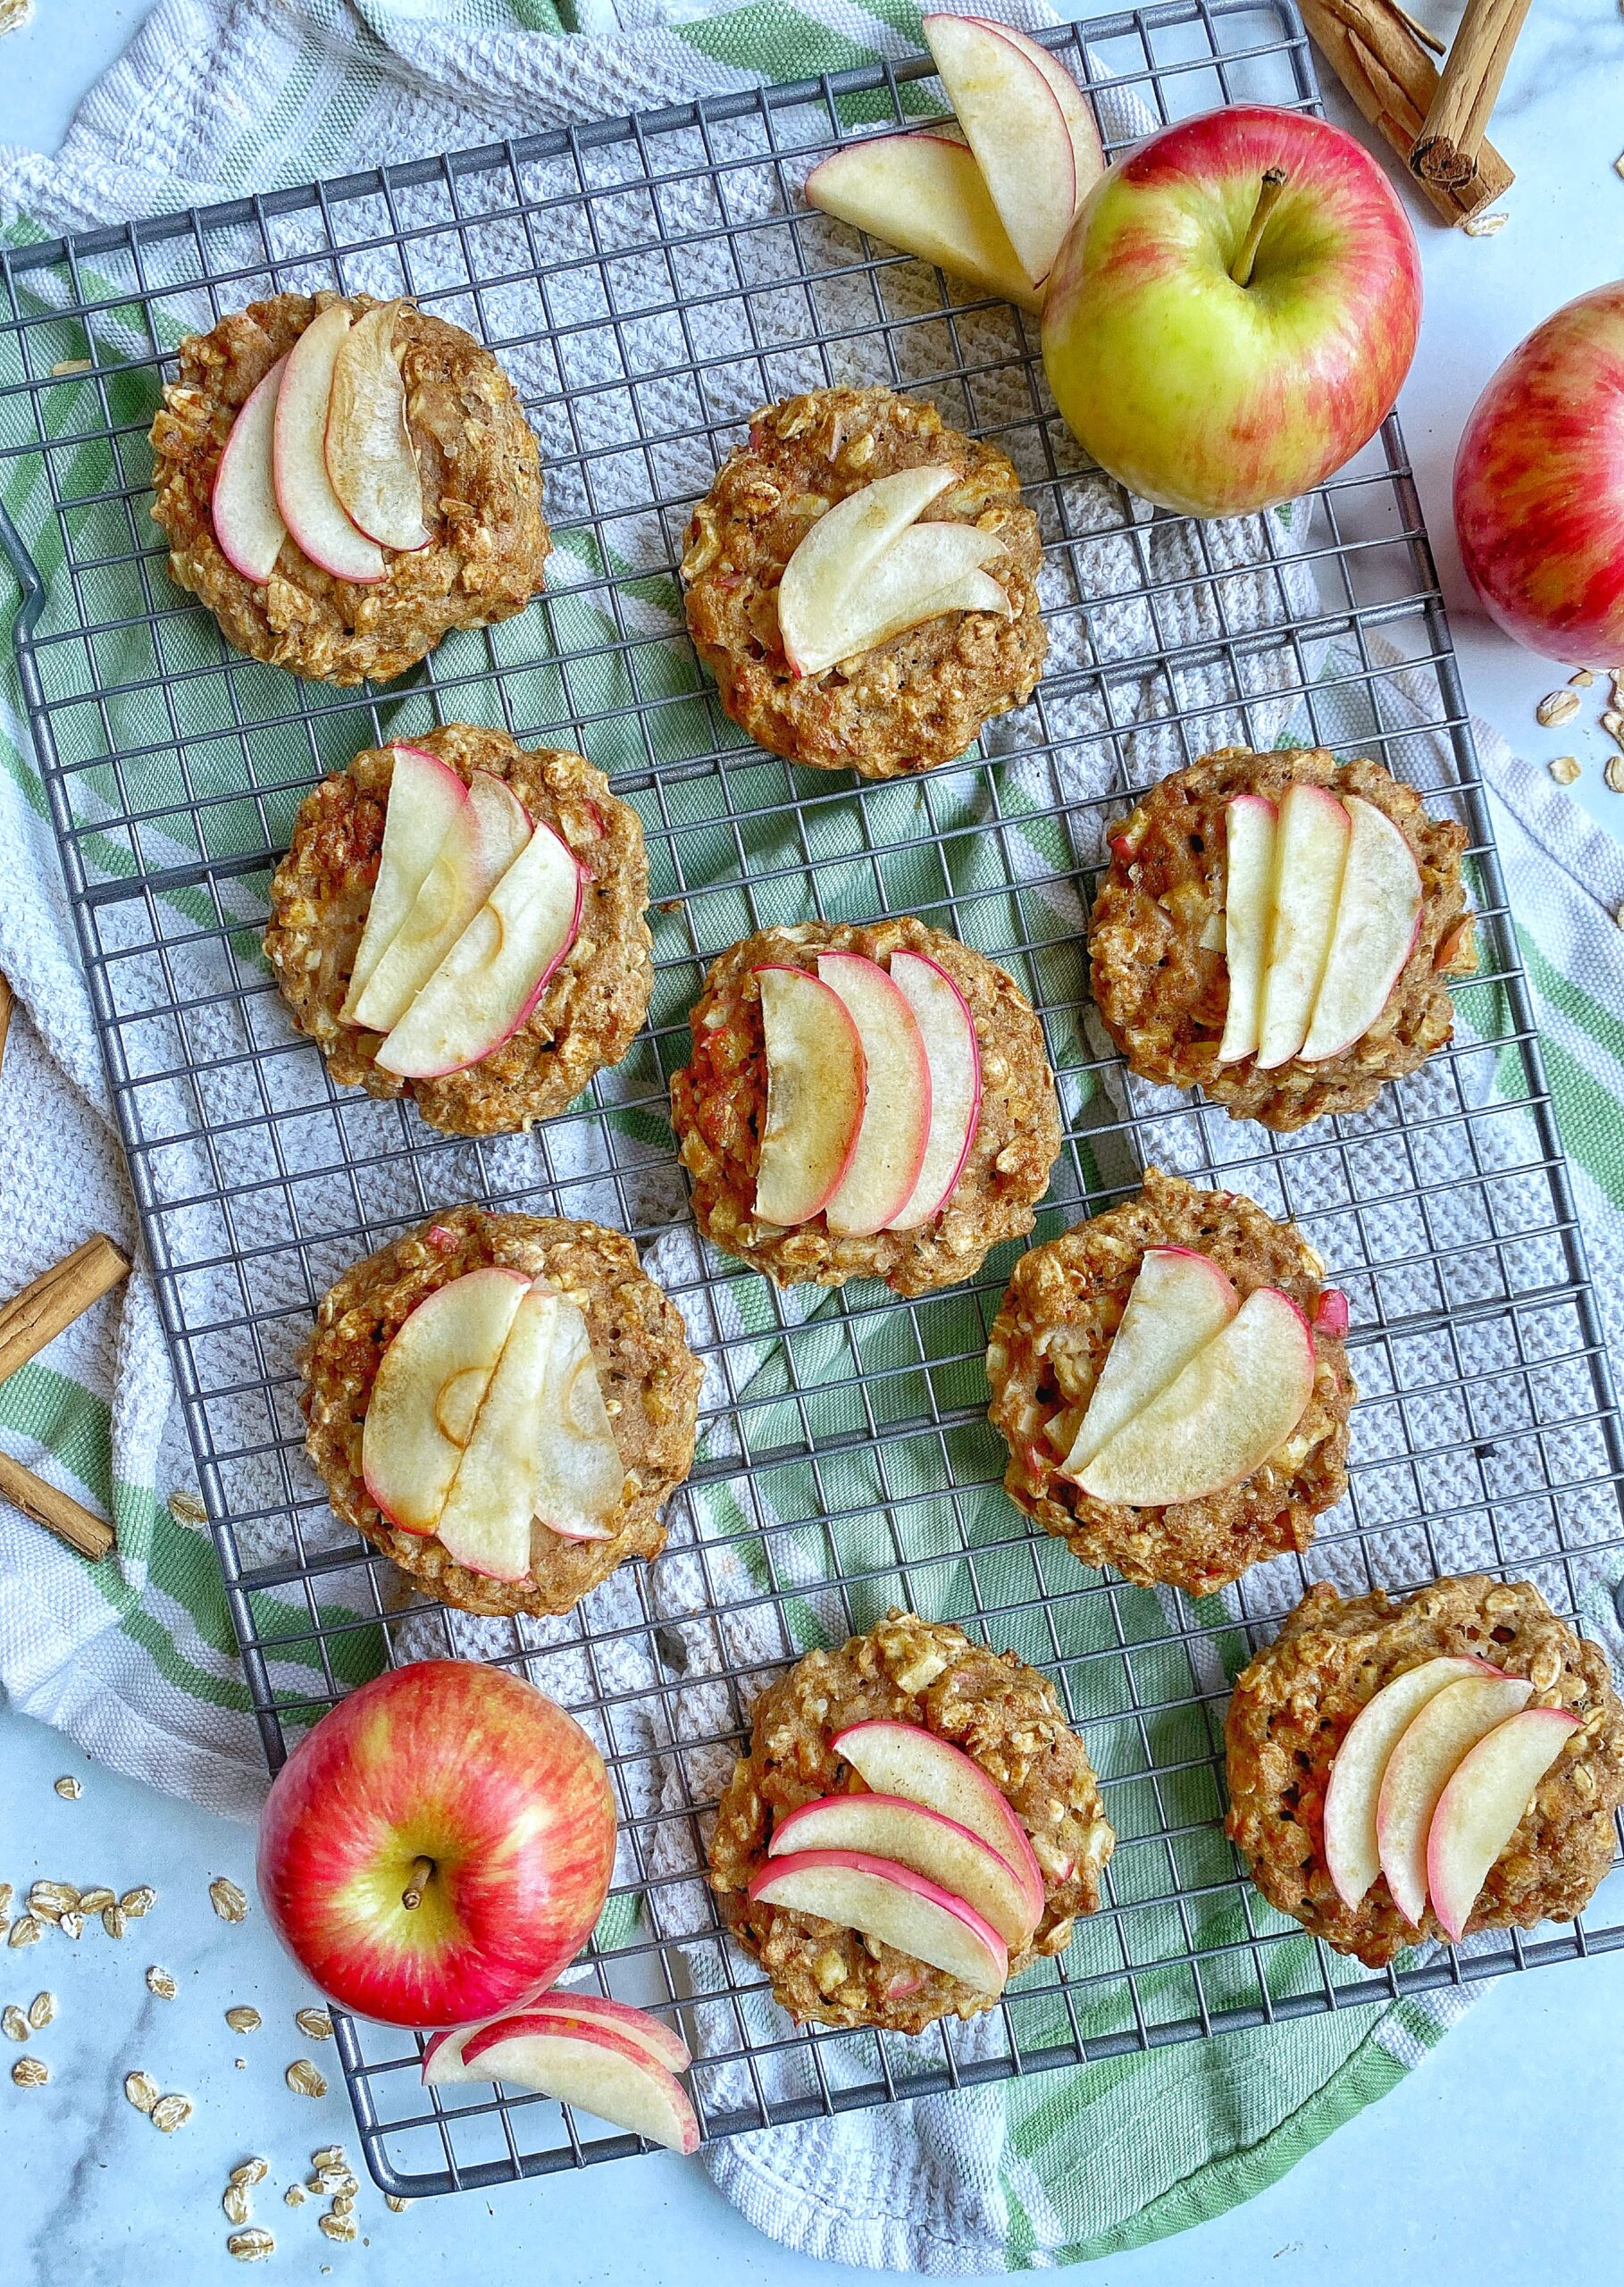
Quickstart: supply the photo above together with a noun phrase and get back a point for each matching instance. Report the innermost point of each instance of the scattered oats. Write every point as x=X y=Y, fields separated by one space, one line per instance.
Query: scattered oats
x=253 y=2171
x=31 y=2072
x=141 y=2090
x=14 y=2024
x=53 y=1899
x=1612 y=723
x=1564 y=768
x=1618 y=165
x=5 y=1898
x=137 y=1902
x=234 y=2201
x=252 y=2246
x=226 y=1900
x=14 y=14
x=244 y=2019
x=330 y=2156
x=42 y=2011
x=170 y=2113
x=343 y=2203
x=1581 y=678
x=303 y=2079
x=1557 y=706
x=393 y=2201
x=115 y=1920
x=68 y=1787
x=293 y=2197
x=343 y=2228
x=97 y=1901
x=1613 y=772
x=315 y=2024
x=1483 y=226
x=187 y=1509
x=160 y=1982
x=335 y=2180
x=25 y=1930
x=72 y=1925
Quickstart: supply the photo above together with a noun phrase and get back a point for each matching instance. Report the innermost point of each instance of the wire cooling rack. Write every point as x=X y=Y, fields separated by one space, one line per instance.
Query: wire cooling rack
x=647 y=281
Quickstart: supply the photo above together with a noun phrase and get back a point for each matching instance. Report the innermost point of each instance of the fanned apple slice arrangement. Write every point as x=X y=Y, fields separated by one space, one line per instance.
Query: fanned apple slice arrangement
x=873 y=1094
x=1432 y=1780
x=321 y=450
x=990 y=202
x=601 y=2056
x=474 y=907
x=487 y=1422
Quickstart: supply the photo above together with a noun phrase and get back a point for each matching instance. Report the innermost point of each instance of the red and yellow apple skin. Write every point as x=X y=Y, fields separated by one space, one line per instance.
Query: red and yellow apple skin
x=474 y=1770
x=1539 y=486
x=1214 y=399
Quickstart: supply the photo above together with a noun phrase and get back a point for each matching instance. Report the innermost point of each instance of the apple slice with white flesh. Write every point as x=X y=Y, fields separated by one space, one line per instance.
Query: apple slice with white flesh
x=1378 y=916
x=492 y=977
x=1420 y=1766
x=1249 y=872
x=896 y=1122
x=420 y=1410
x=927 y=571
x=1310 y=851
x=891 y=1827
x=898 y=1758
x=1483 y=1804
x=248 y=525
x=594 y=2068
x=1087 y=151
x=882 y=1899
x=486 y=836
x=1178 y=1301
x=425 y=796
x=953 y=1054
x=817 y=1086
x=843 y=546
x=1219 y=1418
x=927 y=195
x=582 y=1476
x=1017 y=132
x=1352 y=1854
x=311 y=509
x=443 y=2062
x=370 y=459
x=486 y=1521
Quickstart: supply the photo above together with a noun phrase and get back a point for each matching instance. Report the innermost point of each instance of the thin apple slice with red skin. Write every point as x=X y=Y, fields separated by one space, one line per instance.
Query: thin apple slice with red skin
x=881 y=1899
x=485 y=1524
x=1310 y=851
x=443 y=2062
x=891 y=1827
x=250 y=528
x=1483 y=1804
x=593 y=2068
x=1017 y=131
x=817 y=1082
x=1178 y=1301
x=486 y=836
x=425 y=797
x=372 y=461
x=1423 y=1761
x=906 y=1759
x=1087 y=151
x=839 y=552
x=925 y=195
x=953 y=1054
x=311 y=509
x=1249 y=822
x=1379 y=915
x=1352 y=1854
x=582 y=1477
x=1332 y=1317
x=425 y=1397
x=896 y=1122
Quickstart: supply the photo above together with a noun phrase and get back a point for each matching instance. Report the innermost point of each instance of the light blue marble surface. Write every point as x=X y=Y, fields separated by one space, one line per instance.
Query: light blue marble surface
x=1500 y=2155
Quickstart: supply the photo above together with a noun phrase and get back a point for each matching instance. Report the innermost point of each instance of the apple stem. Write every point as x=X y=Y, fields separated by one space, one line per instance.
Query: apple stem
x=1268 y=191
x=422 y=1874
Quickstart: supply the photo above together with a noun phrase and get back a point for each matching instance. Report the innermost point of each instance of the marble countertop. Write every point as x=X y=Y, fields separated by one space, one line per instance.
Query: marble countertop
x=1456 y=2162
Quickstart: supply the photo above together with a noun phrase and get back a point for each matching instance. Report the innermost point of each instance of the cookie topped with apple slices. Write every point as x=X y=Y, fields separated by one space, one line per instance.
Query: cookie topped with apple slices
x=862 y=582
x=1279 y=930
x=913 y=1823
x=864 y=1101
x=1425 y=1766
x=1171 y=1381
x=344 y=480
x=502 y=1404
x=462 y=922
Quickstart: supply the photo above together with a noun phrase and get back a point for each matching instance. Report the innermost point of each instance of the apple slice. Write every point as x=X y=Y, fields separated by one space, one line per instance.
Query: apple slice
x=953 y=1054
x=897 y=1758
x=892 y=1903
x=311 y=509
x=248 y=523
x=1017 y=131
x=1421 y=1765
x=926 y=571
x=839 y=552
x=485 y=1524
x=443 y=2061
x=1179 y=1300
x=582 y=1476
x=1352 y=1854
x=420 y=1410
x=1249 y=840
x=891 y=1827
x=424 y=798
x=926 y=194
x=498 y=969
x=595 y=2068
x=1310 y=851
x=486 y=836
x=896 y=1122
x=817 y=1086
x=1483 y=1804
x=1219 y=1418
x=1378 y=916
x=370 y=459
x=1087 y=151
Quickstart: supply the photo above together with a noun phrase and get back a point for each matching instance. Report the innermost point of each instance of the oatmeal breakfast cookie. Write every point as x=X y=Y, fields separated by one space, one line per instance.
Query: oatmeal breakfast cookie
x=920 y=698
x=481 y=489
x=1003 y=1714
x=1294 y=1702
x=1156 y=940
x=718 y=1104
x=649 y=1378
x=592 y=1005
x=1050 y=1340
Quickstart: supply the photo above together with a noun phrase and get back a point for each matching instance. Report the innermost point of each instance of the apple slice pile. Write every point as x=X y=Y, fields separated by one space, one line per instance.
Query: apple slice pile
x=874 y=1093
x=321 y=450
x=487 y=1420
x=600 y=2056
x=474 y=908
x=1322 y=900
x=991 y=202
x=1432 y=1780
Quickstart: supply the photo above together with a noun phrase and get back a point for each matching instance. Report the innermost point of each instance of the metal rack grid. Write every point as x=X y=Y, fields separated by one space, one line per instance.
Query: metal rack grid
x=646 y=282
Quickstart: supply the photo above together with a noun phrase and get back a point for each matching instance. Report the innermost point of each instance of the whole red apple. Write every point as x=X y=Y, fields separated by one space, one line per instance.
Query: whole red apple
x=1539 y=486
x=1234 y=310
x=439 y=1846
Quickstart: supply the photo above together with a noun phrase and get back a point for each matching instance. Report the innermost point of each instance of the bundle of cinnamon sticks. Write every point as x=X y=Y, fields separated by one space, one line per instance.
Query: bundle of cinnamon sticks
x=27 y=1323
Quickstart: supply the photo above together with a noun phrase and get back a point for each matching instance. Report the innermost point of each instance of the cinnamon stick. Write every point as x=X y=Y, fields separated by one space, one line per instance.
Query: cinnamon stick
x=55 y=1299
x=57 y=1512
x=1449 y=147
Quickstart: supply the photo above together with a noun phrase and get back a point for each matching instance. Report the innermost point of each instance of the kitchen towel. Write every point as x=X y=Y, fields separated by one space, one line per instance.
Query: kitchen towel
x=136 y=1662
